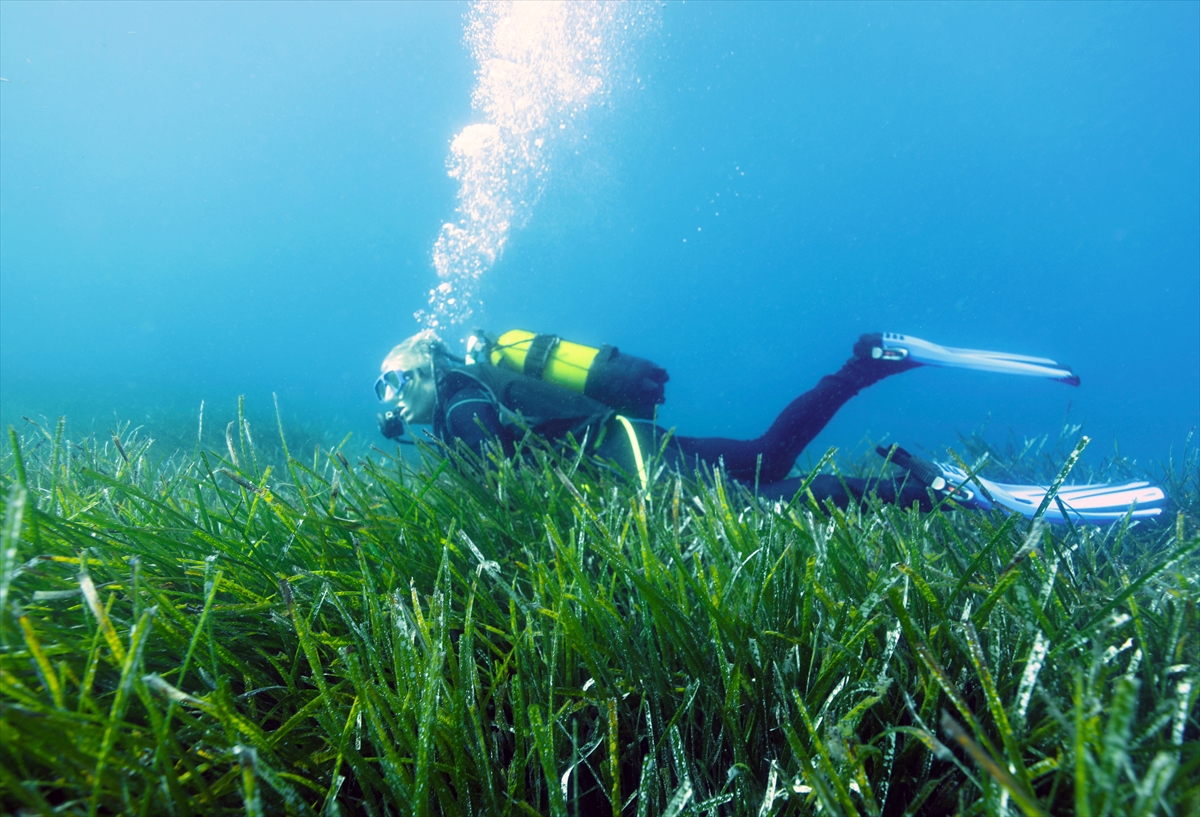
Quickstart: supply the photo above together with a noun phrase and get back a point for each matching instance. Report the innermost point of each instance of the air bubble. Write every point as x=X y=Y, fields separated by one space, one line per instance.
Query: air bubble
x=539 y=63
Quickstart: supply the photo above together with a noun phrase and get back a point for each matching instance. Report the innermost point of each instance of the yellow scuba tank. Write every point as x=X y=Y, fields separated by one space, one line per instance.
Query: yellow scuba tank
x=631 y=385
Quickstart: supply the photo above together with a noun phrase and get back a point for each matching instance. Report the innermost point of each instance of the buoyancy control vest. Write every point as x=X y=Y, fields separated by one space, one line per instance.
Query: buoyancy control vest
x=545 y=408
x=629 y=385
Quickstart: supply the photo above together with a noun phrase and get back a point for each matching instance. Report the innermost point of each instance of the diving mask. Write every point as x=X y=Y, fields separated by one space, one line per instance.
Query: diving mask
x=390 y=384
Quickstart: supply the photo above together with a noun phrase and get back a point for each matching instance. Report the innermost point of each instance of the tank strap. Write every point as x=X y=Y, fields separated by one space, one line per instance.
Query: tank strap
x=637 y=451
x=540 y=349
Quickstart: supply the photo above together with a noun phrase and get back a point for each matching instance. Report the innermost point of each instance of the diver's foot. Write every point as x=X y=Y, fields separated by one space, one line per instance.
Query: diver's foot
x=869 y=346
x=924 y=471
x=928 y=474
x=872 y=362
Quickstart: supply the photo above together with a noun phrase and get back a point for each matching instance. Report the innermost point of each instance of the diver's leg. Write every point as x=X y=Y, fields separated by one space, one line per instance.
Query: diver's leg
x=798 y=423
x=842 y=490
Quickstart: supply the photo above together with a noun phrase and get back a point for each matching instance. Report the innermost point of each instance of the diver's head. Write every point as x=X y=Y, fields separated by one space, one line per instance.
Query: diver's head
x=407 y=377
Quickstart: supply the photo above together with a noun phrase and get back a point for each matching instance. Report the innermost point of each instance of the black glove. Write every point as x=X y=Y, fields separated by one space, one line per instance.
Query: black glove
x=391 y=425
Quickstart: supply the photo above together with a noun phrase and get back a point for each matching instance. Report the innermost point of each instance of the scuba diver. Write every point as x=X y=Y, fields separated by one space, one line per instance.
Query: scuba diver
x=525 y=383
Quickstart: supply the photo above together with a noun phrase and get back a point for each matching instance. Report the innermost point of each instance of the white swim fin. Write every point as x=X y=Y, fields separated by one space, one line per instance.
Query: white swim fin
x=1097 y=504
x=901 y=347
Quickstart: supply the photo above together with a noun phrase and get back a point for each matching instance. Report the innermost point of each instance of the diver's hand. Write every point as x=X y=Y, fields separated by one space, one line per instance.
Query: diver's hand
x=390 y=424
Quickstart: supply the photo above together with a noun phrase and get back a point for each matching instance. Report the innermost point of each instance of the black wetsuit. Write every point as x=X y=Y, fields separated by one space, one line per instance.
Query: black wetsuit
x=470 y=411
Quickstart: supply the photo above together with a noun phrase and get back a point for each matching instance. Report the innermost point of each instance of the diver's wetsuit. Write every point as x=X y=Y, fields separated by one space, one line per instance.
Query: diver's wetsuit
x=470 y=414
x=794 y=428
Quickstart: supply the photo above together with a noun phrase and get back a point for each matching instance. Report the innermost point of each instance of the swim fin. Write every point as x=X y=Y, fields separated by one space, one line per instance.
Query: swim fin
x=900 y=347
x=1097 y=504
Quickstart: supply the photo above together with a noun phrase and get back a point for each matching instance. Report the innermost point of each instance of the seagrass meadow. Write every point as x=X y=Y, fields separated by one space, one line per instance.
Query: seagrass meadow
x=232 y=629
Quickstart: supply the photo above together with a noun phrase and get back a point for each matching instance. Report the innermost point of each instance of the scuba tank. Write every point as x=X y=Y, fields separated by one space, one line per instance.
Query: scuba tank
x=631 y=385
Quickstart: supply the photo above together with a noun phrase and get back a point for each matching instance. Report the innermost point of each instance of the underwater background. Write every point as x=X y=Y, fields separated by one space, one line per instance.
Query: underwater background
x=202 y=200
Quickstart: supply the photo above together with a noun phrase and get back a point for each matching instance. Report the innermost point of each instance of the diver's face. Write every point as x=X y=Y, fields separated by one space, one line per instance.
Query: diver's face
x=418 y=397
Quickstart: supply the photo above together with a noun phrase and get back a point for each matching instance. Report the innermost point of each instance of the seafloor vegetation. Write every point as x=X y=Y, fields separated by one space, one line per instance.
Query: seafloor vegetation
x=246 y=631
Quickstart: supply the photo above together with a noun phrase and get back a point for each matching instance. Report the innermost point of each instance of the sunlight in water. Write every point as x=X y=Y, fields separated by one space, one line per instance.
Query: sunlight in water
x=541 y=65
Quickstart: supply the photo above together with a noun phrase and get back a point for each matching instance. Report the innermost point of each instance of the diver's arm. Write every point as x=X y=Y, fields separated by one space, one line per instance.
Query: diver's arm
x=472 y=417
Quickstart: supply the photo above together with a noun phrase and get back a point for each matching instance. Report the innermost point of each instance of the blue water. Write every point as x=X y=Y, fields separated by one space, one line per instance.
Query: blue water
x=204 y=200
